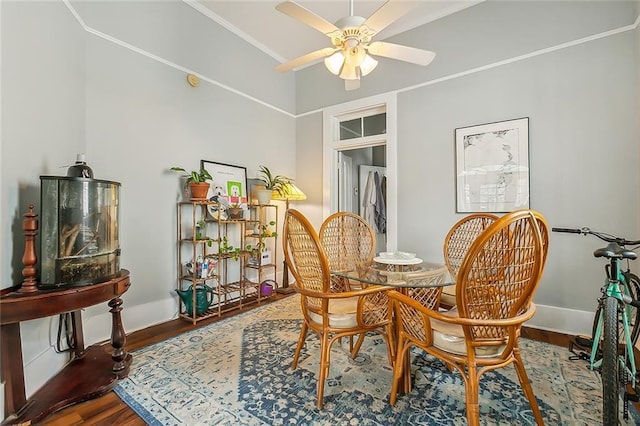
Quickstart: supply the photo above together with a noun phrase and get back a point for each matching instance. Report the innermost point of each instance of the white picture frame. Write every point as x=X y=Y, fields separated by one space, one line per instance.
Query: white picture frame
x=492 y=167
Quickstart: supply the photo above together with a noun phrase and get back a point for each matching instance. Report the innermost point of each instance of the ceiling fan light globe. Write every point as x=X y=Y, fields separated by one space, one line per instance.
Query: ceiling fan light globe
x=368 y=64
x=350 y=72
x=354 y=55
x=334 y=63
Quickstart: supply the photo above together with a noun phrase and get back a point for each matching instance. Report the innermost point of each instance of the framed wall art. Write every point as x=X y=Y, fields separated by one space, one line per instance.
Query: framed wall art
x=228 y=181
x=492 y=167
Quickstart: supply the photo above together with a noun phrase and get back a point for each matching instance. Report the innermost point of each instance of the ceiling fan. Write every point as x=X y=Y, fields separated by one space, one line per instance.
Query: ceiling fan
x=349 y=57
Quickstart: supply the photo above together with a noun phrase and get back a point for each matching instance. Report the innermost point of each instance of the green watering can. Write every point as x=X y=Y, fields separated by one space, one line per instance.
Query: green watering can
x=204 y=298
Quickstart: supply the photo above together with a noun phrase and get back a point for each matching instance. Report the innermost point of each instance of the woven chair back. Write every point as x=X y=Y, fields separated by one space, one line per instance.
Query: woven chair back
x=349 y=242
x=305 y=256
x=500 y=272
x=461 y=236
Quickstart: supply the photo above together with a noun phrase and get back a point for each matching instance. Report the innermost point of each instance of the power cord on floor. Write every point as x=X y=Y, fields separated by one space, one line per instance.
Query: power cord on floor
x=64 y=322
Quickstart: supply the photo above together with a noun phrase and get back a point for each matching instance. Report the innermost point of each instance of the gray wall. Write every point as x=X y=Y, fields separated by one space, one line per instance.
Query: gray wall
x=113 y=85
x=505 y=60
x=483 y=34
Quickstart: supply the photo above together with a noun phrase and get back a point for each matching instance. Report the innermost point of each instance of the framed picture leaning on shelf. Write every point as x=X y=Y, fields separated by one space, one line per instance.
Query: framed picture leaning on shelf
x=228 y=181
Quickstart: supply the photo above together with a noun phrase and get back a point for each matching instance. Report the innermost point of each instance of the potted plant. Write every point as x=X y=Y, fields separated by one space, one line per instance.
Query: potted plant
x=263 y=232
x=271 y=183
x=197 y=182
x=235 y=211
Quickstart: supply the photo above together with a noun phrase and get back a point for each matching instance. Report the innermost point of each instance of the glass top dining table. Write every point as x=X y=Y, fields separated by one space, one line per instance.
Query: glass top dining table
x=403 y=275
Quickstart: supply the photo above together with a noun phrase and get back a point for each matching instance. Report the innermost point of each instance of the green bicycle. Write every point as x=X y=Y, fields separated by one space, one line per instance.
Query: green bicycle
x=617 y=319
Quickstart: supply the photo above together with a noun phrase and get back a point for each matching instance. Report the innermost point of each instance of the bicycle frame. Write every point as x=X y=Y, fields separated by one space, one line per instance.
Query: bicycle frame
x=611 y=288
x=617 y=370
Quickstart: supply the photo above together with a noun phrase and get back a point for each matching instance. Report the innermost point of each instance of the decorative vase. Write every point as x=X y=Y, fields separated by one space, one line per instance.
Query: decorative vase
x=199 y=190
x=263 y=195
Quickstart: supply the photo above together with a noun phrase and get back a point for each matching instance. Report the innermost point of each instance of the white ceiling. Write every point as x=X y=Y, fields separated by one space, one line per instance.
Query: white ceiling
x=284 y=38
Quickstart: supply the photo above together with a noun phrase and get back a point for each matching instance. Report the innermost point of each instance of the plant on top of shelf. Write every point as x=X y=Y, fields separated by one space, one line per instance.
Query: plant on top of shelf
x=194 y=176
x=197 y=182
x=271 y=183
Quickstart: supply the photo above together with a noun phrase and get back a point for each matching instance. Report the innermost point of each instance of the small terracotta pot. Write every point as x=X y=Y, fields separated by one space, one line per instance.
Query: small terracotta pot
x=199 y=190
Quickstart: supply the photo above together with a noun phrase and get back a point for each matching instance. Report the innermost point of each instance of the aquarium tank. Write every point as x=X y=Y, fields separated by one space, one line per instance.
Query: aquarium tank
x=79 y=229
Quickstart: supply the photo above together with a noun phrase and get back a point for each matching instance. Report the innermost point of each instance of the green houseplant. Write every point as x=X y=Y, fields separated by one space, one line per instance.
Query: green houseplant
x=196 y=181
x=271 y=182
x=262 y=231
x=235 y=211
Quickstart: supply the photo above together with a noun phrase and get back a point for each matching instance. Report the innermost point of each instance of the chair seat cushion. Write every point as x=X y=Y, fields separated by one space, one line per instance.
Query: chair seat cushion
x=448 y=296
x=450 y=338
x=342 y=313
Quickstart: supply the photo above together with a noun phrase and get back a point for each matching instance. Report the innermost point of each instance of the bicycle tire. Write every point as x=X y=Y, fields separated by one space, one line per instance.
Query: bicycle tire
x=632 y=285
x=609 y=369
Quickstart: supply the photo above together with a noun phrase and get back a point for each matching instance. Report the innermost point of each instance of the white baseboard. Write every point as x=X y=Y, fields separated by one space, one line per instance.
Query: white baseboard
x=562 y=320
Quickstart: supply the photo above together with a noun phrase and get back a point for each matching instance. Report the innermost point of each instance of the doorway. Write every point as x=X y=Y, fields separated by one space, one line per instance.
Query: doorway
x=362 y=187
x=363 y=131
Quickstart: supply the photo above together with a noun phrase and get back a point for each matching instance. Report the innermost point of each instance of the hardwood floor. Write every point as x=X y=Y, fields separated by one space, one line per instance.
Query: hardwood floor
x=109 y=409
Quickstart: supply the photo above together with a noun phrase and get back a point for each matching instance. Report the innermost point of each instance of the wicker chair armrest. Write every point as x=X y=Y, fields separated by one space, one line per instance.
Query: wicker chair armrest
x=525 y=316
x=346 y=294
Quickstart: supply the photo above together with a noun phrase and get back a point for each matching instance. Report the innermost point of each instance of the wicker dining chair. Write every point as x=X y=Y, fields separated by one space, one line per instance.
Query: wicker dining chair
x=495 y=283
x=456 y=244
x=349 y=242
x=329 y=314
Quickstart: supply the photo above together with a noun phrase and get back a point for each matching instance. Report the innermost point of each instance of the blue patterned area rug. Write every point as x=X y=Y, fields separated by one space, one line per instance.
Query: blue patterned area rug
x=238 y=372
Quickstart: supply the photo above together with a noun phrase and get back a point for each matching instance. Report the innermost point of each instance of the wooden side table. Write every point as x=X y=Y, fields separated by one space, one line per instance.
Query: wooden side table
x=90 y=373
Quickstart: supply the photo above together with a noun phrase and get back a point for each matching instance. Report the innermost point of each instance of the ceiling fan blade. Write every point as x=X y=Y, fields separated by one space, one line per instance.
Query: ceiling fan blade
x=386 y=14
x=305 y=59
x=351 y=84
x=307 y=17
x=401 y=53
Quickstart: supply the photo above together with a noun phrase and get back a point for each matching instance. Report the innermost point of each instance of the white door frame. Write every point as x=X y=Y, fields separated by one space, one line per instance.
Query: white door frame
x=346 y=182
x=331 y=145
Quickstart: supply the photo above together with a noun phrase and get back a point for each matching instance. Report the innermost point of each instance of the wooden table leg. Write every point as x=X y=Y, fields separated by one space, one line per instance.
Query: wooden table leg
x=121 y=358
x=14 y=397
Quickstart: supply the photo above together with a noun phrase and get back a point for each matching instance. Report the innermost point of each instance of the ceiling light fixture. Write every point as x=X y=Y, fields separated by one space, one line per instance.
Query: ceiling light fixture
x=348 y=57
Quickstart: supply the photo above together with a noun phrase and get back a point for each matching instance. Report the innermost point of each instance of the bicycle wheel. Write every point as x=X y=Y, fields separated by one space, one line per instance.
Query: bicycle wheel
x=609 y=370
x=632 y=288
x=633 y=283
